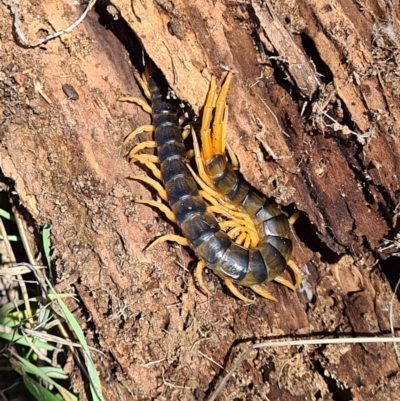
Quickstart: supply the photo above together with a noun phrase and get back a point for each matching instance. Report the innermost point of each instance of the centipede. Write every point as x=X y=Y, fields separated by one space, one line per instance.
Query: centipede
x=252 y=244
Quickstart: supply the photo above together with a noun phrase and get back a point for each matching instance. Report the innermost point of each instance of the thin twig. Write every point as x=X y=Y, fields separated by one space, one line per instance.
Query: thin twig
x=273 y=115
x=12 y=4
x=369 y=133
x=327 y=341
x=211 y=360
x=259 y=137
x=154 y=362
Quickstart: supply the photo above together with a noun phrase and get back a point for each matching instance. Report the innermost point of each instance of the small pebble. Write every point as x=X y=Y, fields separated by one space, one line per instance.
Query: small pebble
x=70 y=91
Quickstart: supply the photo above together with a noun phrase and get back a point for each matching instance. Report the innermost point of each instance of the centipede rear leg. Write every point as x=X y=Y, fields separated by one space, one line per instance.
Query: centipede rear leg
x=213 y=141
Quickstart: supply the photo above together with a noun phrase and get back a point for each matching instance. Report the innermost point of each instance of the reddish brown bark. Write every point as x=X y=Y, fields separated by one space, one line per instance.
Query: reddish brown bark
x=314 y=115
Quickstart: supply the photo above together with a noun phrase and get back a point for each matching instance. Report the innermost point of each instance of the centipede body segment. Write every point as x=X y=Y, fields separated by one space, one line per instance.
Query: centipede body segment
x=260 y=252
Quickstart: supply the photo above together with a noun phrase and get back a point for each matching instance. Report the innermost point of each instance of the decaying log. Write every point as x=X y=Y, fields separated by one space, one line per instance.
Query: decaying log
x=314 y=119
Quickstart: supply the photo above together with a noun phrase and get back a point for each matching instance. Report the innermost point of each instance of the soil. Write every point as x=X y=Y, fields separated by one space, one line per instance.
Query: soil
x=314 y=115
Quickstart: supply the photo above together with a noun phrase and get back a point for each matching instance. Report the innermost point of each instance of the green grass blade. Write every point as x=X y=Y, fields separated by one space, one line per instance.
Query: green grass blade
x=46 y=232
x=94 y=380
x=21 y=340
x=54 y=372
x=95 y=385
x=11 y=238
x=38 y=391
x=24 y=367
x=6 y=215
x=6 y=312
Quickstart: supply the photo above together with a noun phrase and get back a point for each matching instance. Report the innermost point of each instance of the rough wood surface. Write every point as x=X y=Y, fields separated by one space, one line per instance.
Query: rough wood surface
x=314 y=119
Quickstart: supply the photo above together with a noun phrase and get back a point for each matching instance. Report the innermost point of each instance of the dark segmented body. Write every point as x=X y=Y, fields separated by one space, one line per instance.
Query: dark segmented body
x=227 y=259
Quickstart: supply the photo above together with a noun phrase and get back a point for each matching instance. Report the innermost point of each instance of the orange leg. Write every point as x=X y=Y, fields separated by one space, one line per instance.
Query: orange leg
x=153 y=183
x=291 y=265
x=297 y=273
x=159 y=205
x=137 y=100
x=170 y=237
x=198 y=274
x=258 y=289
x=205 y=130
x=221 y=117
x=213 y=141
x=137 y=131
x=141 y=146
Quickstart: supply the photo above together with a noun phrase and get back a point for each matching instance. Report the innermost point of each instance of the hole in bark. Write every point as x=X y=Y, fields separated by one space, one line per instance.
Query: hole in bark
x=42 y=33
x=306 y=232
x=334 y=386
x=281 y=78
x=391 y=270
x=278 y=64
x=347 y=121
x=134 y=47
x=267 y=369
x=123 y=32
x=312 y=52
x=354 y=154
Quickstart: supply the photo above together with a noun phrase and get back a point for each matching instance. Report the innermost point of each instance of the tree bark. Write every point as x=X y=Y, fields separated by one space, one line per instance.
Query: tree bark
x=314 y=115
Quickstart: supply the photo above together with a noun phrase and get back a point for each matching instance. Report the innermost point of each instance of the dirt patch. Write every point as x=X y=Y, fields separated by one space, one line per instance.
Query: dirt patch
x=319 y=131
